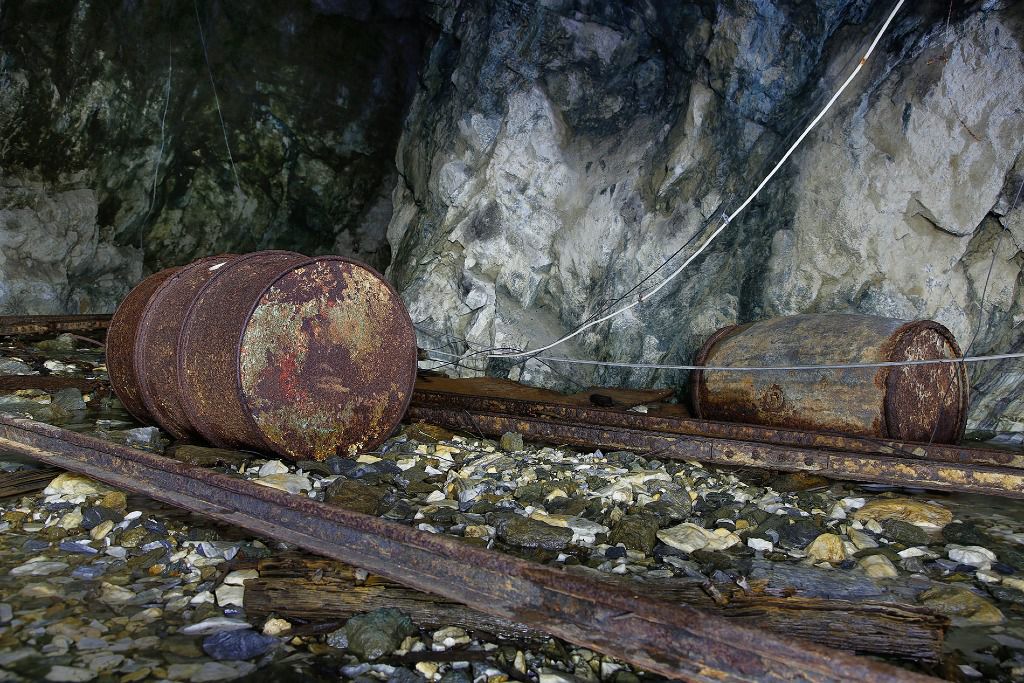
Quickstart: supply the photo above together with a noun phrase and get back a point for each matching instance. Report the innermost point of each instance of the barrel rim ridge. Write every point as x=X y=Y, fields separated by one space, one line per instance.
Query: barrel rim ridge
x=187 y=398
x=961 y=370
x=148 y=311
x=121 y=324
x=697 y=376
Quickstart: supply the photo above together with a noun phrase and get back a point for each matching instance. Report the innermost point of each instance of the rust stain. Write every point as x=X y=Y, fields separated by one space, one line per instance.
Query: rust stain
x=327 y=360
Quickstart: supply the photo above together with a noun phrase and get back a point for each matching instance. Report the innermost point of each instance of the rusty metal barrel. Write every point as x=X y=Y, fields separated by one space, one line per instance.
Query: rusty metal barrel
x=155 y=355
x=273 y=351
x=908 y=403
x=121 y=337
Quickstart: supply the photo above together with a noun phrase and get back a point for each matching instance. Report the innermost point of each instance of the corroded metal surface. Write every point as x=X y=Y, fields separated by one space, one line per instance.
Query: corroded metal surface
x=667 y=638
x=926 y=402
x=211 y=333
x=904 y=404
x=52 y=324
x=327 y=360
x=156 y=346
x=460 y=395
x=875 y=468
x=121 y=336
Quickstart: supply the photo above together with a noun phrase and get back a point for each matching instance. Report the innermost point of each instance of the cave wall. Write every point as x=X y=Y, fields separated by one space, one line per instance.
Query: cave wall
x=558 y=151
x=517 y=164
x=114 y=160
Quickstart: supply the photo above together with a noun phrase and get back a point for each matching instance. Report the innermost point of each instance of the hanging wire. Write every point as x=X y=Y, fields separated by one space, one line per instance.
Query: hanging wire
x=730 y=217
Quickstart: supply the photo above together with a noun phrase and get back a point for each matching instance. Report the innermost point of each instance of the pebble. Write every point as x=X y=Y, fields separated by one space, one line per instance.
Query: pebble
x=115 y=595
x=78 y=547
x=378 y=633
x=240 y=576
x=273 y=467
x=230 y=595
x=6 y=613
x=689 y=537
x=529 y=533
x=972 y=555
x=760 y=544
x=861 y=540
x=213 y=625
x=101 y=530
x=238 y=644
x=275 y=626
x=636 y=532
x=290 y=483
x=69 y=674
x=39 y=568
x=512 y=441
x=911 y=510
x=71 y=520
x=878 y=567
x=827 y=548
x=961 y=603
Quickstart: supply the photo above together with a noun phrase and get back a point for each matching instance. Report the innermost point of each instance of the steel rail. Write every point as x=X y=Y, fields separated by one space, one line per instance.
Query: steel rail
x=673 y=640
x=875 y=468
x=618 y=418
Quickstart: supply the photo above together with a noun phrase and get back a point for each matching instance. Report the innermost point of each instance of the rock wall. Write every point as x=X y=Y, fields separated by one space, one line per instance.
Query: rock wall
x=557 y=152
x=119 y=157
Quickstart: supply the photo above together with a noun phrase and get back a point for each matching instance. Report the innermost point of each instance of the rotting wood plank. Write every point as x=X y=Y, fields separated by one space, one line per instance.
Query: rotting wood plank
x=49 y=383
x=318 y=590
x=875 y=468
x=677 y=641
x=52 y=324
x=25 y=481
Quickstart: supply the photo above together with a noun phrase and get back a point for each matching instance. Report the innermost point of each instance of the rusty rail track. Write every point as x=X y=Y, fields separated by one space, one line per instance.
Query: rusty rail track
x=942 y=468
x=674 y=640
x=50 y=324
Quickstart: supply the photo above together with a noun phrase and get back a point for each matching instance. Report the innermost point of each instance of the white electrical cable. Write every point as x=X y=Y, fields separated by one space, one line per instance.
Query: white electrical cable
x=767 y=368
x=728 y=219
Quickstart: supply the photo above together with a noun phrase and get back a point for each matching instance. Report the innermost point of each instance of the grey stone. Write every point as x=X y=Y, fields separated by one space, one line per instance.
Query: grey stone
x=530 y=533
x=355 y=496
x=238 y=644
x=636 y=532
x=904 y=532
x=378 y=633
x=512 y=441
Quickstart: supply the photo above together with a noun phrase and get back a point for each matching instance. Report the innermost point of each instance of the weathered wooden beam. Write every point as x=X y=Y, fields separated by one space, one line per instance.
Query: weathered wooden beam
x=25 y=481
x=49 y=383
x=673 y=640
x=322 y=590
x=52 y=324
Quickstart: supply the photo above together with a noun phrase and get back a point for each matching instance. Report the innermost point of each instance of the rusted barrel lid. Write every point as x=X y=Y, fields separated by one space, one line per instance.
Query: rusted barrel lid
x=304 y=357
x=914 y=403
x=156 y=344
x=926 y=402
x=121 y=337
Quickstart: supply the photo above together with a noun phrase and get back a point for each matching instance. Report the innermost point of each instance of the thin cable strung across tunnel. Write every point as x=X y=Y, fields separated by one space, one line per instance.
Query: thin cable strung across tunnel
x=727 y=219
x=767 y=368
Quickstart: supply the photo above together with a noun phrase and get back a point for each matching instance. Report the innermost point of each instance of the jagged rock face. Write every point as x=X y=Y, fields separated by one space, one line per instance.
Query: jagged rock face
x=115 y=146
x=557 y=152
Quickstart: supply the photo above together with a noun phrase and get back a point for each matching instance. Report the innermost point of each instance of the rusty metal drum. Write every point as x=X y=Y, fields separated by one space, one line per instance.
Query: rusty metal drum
x=155 y=354
x=121 y=338
x=304 y=357
x=909 y=403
